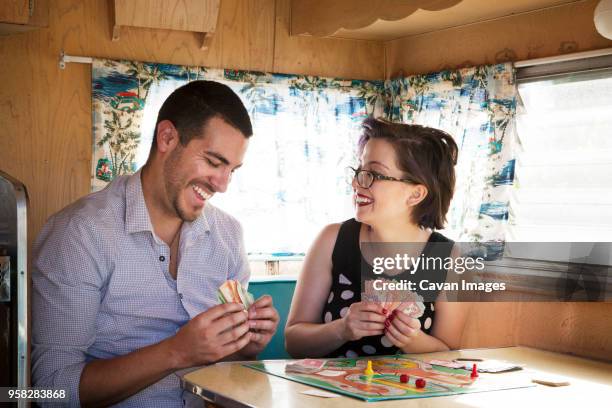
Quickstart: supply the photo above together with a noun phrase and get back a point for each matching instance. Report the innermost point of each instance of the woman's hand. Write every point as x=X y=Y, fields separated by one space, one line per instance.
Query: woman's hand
x=401 y=328
x=363 y=319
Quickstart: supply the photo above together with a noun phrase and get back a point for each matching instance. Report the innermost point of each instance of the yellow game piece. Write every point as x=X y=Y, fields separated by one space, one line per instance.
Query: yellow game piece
x=368 y=370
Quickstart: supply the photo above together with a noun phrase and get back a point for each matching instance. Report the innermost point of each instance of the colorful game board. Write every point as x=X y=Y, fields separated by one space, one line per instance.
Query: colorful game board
x=346 y=376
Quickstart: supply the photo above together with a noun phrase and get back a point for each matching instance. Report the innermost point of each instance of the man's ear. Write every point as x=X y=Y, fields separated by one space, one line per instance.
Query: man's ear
x=167 y=137
x=418 y=194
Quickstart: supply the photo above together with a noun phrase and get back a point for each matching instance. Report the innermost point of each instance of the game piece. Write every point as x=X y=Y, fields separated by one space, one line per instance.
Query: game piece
x=404 y=378
x=420 y=383
x=368 y=371
x=474 y=371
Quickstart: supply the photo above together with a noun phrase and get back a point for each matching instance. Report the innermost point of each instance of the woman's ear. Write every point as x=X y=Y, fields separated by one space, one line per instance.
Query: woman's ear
x=417 y=194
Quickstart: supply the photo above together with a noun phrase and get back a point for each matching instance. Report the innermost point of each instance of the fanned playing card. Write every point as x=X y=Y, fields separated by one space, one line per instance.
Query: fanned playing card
x=233 y=291
x=408 y=302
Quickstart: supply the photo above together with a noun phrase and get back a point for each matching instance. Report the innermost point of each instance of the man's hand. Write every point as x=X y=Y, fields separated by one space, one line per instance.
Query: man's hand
x=263 y=321
x=211 y=335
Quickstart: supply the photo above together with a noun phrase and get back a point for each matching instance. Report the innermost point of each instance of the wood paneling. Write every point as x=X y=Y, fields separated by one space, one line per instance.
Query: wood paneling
x=244 y=38
x=354 y=59
x=15 y=15
x=579 y=328
x=40 y=13
x=182 y=15
x=14 y=11
x=491 y=324
x=253 y=23
x=583 y=329
x=199 y=16
x=553 y=31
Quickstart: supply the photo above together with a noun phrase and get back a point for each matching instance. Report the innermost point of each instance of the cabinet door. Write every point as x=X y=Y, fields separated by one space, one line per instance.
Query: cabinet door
x=14 y=11
x=182 y=15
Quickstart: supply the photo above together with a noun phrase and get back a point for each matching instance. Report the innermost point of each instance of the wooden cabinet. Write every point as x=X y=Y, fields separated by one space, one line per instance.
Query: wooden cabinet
x=23 y=15
x=198 y=16
x=387 y=20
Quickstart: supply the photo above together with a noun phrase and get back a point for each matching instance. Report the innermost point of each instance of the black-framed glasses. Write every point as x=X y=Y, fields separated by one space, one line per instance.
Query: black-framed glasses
x=365 y=178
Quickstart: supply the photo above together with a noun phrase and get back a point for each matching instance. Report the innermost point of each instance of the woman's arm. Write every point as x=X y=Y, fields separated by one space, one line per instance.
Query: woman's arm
x=449 y=323
x=304 y=333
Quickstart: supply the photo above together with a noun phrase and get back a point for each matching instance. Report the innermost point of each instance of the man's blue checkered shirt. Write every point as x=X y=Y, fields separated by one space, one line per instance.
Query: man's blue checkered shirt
x=102 y=287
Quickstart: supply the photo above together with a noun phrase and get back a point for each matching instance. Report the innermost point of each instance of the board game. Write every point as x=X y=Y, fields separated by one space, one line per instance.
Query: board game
x=346 y=376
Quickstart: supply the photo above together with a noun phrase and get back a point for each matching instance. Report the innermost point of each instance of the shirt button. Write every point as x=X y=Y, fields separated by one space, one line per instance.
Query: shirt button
x=162 y=258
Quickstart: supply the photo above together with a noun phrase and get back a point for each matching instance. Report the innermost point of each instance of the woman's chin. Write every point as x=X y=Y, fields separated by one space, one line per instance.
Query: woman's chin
x=361 y=216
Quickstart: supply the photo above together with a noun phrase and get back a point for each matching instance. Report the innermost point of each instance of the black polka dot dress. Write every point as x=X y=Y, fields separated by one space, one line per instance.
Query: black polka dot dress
x=347 y=262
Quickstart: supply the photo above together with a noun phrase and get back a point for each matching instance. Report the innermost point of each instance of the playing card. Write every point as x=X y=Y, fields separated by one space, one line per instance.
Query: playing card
x=307 y=365
x=233 y=291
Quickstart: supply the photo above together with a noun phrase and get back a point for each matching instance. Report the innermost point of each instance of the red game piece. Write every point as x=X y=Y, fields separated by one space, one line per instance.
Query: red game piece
x=420 y=383
x=404 y=378
x=474 y=371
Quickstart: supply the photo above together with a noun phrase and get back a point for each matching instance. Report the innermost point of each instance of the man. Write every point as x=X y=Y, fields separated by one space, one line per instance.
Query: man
x=125 y=279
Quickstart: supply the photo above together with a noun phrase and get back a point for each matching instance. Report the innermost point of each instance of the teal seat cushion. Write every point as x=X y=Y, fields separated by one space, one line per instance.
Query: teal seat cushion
x=282 y=293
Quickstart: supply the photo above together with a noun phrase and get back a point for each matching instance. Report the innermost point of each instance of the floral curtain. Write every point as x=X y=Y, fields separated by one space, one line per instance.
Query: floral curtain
x=306 y=130
x=477 y=107
x=305 y=133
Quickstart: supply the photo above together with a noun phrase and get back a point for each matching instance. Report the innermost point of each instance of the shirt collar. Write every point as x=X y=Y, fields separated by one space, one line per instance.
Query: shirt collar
x=200 y=225
x=137 y=216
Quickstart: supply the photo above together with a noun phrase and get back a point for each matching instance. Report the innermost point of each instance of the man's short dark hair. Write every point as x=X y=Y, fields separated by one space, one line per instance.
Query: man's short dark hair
x=191 y=106
x=427 y=156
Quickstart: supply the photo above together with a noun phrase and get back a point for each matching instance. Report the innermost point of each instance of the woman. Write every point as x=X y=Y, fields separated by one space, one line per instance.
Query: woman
x=402 y=192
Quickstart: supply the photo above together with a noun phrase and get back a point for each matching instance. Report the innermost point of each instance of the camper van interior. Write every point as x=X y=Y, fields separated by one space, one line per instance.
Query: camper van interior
x=295 y=203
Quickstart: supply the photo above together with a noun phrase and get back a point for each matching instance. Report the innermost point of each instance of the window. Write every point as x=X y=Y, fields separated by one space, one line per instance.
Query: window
x=293 y=181
x=563 y=179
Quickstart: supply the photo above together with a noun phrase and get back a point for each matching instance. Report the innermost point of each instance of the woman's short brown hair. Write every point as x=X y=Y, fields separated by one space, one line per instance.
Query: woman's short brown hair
x=428 y=157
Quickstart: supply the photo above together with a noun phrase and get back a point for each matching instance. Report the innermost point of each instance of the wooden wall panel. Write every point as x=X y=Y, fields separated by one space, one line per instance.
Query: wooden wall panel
x=491 y=324
x=244 y=37
x=354 y=59
x=580 y=328
x=187 y=15
x=15 y=11
x=549 y=32
x=253 y=23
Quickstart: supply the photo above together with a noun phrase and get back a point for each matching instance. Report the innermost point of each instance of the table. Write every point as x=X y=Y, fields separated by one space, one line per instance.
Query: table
x=232 y=385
